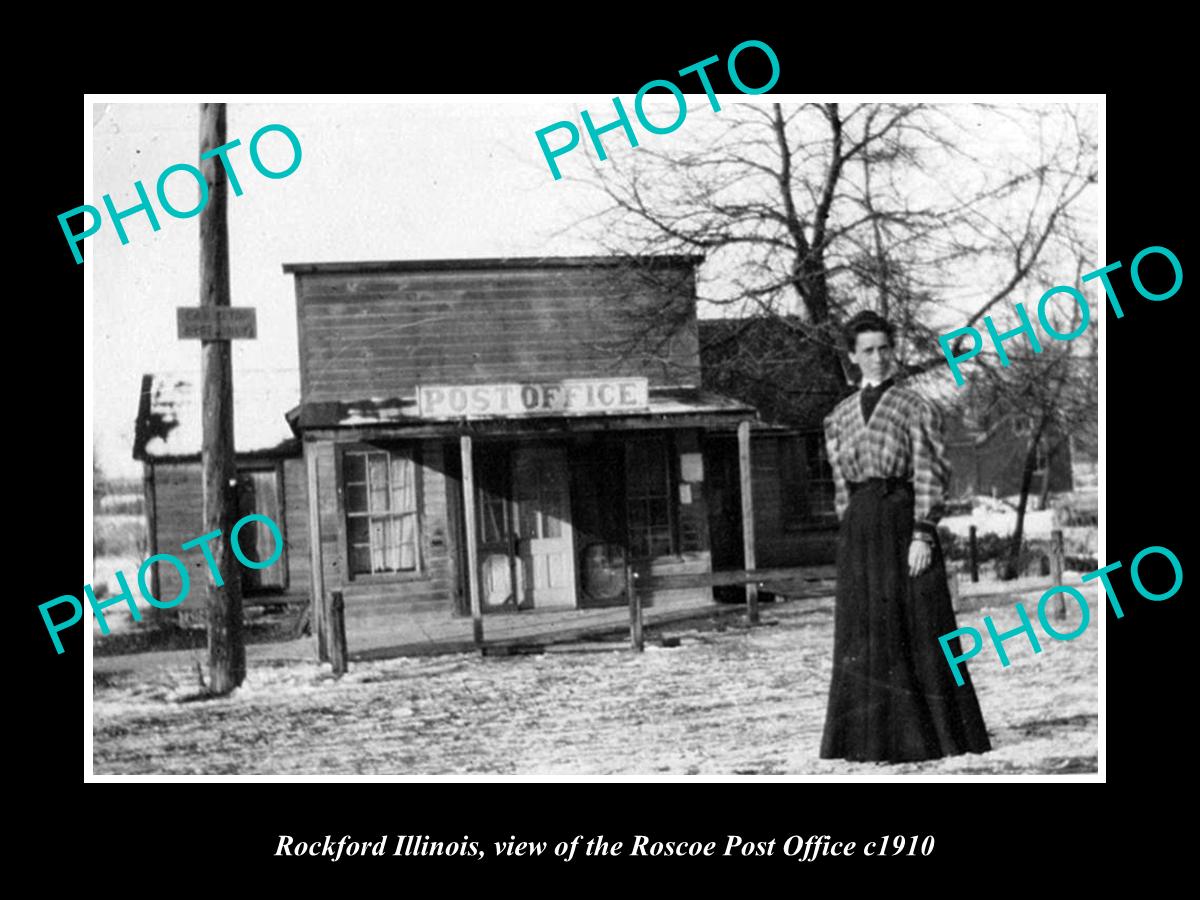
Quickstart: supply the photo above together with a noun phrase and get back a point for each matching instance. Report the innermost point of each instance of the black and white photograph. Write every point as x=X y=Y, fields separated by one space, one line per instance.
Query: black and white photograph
x=703 y=434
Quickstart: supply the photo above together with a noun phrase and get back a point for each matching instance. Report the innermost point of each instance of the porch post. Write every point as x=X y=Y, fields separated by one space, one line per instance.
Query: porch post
x=468 y=480
x=747 y=519
x=314 y=552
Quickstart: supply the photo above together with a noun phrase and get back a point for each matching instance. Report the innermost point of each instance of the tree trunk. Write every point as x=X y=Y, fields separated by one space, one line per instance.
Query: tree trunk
x=809 y=277
x=1050 y=452
x=1013 y=566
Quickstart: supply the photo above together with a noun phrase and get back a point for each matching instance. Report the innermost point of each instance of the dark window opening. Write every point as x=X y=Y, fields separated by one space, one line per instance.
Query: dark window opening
x=648 y=499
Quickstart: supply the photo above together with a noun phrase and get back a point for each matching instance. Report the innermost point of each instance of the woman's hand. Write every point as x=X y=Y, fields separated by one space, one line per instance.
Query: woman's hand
x=920 y=555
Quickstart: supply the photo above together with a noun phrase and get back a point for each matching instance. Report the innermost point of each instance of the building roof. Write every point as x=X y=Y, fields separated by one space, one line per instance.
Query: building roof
x=266 y=407
x=510 y=262
x=169 y=424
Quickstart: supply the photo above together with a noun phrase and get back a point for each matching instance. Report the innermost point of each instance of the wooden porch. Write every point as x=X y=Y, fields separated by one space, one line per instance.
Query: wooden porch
x=435 y=633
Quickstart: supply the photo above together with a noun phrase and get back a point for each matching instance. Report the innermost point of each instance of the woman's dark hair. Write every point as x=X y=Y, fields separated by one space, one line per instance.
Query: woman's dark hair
x=867 y=320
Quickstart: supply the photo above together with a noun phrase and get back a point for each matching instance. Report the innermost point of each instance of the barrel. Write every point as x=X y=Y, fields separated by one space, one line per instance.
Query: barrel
x=604 y=571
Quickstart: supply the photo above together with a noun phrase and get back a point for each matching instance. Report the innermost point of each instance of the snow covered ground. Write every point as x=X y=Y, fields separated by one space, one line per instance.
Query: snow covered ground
x=105 y=585
x=722 y=703
x=998 y=516
x=995 y=517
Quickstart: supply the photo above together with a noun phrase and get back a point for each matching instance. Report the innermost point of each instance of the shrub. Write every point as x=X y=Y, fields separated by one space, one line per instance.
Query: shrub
x=988 y=547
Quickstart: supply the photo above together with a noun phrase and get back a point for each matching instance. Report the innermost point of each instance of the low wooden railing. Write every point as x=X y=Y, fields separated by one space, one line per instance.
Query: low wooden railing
x=753 y=579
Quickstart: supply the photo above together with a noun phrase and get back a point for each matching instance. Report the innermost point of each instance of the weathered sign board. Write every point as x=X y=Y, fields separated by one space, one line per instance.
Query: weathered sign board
x=581 y=396
x=216 y=323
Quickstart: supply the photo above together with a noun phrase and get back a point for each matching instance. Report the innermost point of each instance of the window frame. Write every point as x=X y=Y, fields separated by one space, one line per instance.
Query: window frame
x=666 y=444
x=794 y=512
x=810 y=448
x=391 y=448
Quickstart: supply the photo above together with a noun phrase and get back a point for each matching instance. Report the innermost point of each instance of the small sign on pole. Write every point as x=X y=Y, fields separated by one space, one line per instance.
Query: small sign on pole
x=216 y=323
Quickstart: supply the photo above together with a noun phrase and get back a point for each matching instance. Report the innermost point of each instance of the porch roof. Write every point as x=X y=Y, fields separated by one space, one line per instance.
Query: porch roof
x=398 y=416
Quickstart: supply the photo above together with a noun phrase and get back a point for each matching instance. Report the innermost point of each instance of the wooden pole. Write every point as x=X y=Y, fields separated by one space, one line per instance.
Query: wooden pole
x=1056 y=570
x=337 y=634
x=468 y=480
x=635 y=607
x=226 y=651
x=314 y=554
x=747 y=519
x=973 y=553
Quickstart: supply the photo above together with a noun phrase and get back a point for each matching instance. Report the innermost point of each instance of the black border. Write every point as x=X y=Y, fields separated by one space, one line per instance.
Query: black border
x=981 y=831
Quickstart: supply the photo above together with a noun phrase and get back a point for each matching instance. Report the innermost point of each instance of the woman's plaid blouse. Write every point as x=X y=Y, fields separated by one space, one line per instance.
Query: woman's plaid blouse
x=903 y=440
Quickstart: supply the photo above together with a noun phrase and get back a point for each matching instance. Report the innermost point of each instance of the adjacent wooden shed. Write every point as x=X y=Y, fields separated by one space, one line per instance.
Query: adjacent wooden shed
x=270 y=481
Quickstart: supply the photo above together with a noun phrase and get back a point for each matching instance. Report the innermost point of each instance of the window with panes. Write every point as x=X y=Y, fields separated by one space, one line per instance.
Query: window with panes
x=648 y=499
x=382 y=521
x=821 y=490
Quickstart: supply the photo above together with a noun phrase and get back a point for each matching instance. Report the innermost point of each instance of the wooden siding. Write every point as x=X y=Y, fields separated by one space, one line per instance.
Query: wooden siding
x=179 y=505
x=373 y=601
x=997 y=464
x=779 y=542
x=380 y=334
x=295 y=493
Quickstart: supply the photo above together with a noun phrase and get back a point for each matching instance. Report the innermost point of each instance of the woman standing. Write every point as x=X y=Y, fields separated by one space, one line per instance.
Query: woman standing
x=893 y=697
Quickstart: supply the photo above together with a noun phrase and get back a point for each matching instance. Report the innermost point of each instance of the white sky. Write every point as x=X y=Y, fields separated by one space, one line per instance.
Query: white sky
x=377 y=182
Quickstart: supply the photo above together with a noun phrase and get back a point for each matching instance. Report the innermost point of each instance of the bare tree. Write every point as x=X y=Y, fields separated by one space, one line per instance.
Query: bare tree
x=808 y=213
x=1053 y=391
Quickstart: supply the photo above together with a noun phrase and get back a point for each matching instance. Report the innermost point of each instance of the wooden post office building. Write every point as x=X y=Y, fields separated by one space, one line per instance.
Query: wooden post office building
x=501 y=434
x=473 y=437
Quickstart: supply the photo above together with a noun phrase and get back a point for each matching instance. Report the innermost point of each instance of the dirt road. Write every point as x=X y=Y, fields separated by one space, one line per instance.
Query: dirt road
x=722 y=703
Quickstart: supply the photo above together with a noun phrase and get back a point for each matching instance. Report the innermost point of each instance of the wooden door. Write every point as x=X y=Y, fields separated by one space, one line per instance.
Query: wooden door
x=258 y=492
x=495 y=537
x=723 y=491
x=545 y=538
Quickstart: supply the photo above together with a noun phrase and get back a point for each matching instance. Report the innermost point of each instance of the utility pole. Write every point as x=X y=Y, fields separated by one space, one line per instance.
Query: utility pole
x=226 y=649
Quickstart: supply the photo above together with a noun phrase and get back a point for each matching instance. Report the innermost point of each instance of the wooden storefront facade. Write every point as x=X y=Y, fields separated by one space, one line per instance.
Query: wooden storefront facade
x=487 y=436
x=481 y=437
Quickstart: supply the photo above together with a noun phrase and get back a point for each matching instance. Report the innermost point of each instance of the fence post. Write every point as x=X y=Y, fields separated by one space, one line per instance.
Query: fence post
x=337 y=633
x=745 y=472
x=635 y=608
x=473 y=587
x=973 y=551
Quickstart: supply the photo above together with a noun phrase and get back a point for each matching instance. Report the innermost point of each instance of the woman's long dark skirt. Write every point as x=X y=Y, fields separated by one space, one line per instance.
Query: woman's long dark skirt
x=893 y=696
